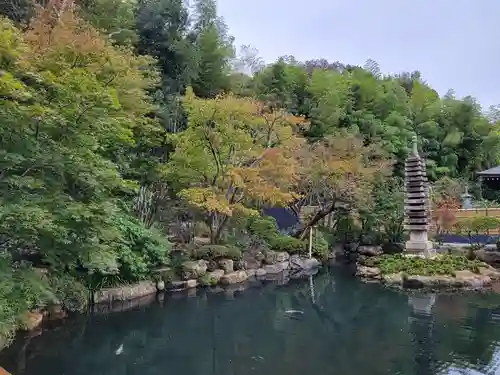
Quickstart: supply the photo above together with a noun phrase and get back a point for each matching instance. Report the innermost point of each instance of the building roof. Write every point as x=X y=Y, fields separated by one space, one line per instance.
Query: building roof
x=490 y=172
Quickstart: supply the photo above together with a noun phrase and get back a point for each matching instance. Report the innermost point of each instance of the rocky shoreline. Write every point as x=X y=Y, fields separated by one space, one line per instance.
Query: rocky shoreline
x=483 y=277
x=209 y=273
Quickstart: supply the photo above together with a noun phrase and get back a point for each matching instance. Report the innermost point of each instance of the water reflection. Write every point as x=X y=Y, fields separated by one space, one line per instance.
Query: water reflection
x=346 y=328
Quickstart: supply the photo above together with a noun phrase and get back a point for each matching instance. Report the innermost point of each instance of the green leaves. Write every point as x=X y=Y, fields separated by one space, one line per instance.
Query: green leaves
x=72 y=116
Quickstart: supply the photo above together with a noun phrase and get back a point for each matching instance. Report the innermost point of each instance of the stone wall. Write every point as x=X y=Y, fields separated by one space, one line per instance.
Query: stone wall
x=223 y=272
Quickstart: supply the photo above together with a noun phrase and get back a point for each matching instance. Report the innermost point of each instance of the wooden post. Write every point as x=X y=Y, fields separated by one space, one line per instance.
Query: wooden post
x=310 y=242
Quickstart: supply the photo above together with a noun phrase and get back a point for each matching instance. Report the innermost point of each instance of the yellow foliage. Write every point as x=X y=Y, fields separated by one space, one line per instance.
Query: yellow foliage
x=235 y=154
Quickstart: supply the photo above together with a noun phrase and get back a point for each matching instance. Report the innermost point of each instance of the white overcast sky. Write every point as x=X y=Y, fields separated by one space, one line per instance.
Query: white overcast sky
x=453 y=43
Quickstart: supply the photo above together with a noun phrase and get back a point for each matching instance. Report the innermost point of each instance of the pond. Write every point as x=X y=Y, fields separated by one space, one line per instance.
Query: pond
x=341 y=326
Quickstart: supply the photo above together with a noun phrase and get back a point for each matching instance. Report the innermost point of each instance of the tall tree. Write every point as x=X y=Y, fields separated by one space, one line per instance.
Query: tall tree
x=214 y=49
x=235 y=154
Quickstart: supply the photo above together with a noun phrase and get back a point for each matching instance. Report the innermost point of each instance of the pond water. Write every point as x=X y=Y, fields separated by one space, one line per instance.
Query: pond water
x=342 y=327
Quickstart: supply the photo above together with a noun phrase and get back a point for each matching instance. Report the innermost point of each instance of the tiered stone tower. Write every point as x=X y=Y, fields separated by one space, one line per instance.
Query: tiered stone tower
x=417 y=205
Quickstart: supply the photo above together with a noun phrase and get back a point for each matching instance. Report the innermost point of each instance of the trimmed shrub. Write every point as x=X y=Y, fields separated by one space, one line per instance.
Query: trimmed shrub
x=264 y=227
x=209 y=252
x=289 y=244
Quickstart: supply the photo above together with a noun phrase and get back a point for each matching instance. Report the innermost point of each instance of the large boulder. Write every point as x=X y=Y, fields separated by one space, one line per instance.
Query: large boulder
x=301 y=263
x=240 y=265
x=234 y=278
x=253 y=258
x=273 y=257
x=227 y=265
x=260 y=272
x=211 y=278
x=125 y=293
x=491 y=257
x=368 y=272
x=276 y=268
x=491 y=272
x=393 y=248
x=194 y=269
x=212 y=265
x=31 y=320
x=371 y=251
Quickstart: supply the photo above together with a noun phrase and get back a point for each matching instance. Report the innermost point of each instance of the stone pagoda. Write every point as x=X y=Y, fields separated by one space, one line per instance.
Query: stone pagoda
x=417 y=205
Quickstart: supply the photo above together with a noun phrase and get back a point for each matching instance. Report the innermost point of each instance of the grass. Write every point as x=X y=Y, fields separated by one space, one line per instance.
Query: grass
x=444 y=265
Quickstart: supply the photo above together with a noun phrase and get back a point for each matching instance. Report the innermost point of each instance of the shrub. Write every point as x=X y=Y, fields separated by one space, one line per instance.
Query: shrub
x=264 y=227
x=139 y=249
x=289 y=244
x=71 y=294
x=21 y=289
x=209 y=252
x=444 y=265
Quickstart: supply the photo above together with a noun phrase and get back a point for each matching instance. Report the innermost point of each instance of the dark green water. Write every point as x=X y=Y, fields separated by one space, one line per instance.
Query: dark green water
x=347 y=328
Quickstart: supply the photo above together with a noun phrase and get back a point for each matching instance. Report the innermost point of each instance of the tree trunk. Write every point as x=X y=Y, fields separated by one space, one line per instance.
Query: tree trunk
x=301 y=234
x=217 y=224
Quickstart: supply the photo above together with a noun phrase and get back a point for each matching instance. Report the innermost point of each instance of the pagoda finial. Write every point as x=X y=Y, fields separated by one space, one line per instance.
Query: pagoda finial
x=415 y=146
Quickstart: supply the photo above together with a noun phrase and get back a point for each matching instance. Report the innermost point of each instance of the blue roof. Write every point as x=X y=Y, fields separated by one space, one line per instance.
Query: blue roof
x=490 y=172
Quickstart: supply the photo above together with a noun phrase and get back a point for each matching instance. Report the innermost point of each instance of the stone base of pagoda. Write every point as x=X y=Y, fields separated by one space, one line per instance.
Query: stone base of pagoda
x=420 y=245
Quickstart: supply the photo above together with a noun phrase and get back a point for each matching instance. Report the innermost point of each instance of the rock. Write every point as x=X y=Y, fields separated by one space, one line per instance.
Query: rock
x=176 y=285
x=491 y=257
x=56 y=312
x=211 y=278
x=160 y=285
x=31 y=320
x=303 y=274
x=371 y=251
x=273 y=257
x=212 y=265
x=472 y=279
x=462 y=279
x=240 y=265
x=194 y=269
x=393 y=248
x=233 y=278
x=227 y=265
x=253 y=259
x=251 y=273
x=489 y=271
x=301 y=263
x=393 y=279
x=260 y=272
x=368 y=272
x=276 y=268
x=193 y=283
x=125 y=293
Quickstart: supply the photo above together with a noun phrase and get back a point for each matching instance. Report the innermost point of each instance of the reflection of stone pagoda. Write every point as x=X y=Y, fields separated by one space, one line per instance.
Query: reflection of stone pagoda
x=417 y=204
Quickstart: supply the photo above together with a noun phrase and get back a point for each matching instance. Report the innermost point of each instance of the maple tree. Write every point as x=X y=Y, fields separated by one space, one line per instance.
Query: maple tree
x=73 y=131
x=444 y=214
x=336 y=173
x=234 y=156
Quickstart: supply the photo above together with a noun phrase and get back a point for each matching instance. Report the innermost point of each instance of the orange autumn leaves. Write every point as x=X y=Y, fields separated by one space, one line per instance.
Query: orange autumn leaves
x=237 y=155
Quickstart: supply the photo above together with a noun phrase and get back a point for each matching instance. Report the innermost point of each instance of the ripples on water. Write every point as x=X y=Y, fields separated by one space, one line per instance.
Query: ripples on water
x=346 y=328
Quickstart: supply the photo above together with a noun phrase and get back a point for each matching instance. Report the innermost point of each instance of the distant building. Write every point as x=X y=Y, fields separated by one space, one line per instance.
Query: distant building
x=490 y=183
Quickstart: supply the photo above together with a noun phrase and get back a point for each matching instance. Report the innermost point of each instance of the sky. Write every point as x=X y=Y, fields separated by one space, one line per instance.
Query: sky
x=455 y=44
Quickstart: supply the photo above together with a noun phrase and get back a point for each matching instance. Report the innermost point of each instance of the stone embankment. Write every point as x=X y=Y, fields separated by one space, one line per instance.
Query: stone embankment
x=222 y=272
x=482 y=277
